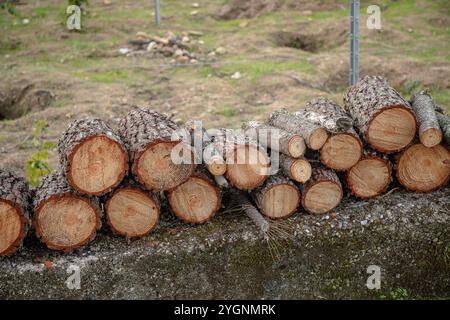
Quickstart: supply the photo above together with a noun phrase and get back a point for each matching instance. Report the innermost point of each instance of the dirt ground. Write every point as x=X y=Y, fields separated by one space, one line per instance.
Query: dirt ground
x=253 y=58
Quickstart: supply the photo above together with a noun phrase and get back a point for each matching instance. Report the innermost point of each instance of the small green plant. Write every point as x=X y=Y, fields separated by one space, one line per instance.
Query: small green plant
x=399 y=294
x=228 y=111
x=9 y=6
x=38 y=165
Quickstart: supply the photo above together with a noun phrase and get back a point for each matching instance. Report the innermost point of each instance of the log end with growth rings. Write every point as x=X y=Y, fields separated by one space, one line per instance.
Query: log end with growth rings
x=341 y=151
x=132 y=212
x=431 y=137
x=296 y=146
x=423 y=169
x=369 y=177
x=391 y=129
x=217 y=166
x=12 y=227
x=195 y=201
x=301 y=170
x=317 y=138
x=280 y=201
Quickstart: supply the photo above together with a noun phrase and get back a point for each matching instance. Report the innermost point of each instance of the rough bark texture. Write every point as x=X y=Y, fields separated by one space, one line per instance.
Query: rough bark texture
x=314 y=135
x=423 y=169
x=14 y=194
x=143 y=130
x=278 y=198
x=296 y=169
x=54 y=188
x=326 y=113
x=323 y=192
x=276 y=139
x=372 y=96
x=197 y=200
x=121 y=224
x=444 y=123
x=95 y=164
x=430 y=133
x=371 y=176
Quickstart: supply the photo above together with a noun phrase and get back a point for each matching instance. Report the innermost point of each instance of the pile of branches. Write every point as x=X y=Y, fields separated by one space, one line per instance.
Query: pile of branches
x=306 y=160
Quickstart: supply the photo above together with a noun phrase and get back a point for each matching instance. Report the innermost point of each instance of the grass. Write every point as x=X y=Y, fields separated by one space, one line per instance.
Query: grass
x=105 y=76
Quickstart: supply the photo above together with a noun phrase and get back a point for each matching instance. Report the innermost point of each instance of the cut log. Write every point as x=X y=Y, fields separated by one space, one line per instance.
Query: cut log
x=131 y=211
x=93 y=158
x=63 y=219
x=247 y=163
x=196 y=200
x=382 y=116
x=314 y=135
x=14 y=212
x=297 y=169
x=423 y=169
x=371 y=176
x=444 y=123
x=323 y=192
x=430 y=133
x=276 y=139
x=158 y=162
x=278 y=198
x=343 y=149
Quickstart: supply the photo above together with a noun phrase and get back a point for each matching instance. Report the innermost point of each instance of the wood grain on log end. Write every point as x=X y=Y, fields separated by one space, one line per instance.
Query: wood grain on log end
x=341 y=151
x=297 y=169
x=247 y=166
x=431 y=137
x=423 y=169
x=132 y=212
x=318 y=138
x=195 y=201
x=217 y=166
x=296 y=146
x=369 y=177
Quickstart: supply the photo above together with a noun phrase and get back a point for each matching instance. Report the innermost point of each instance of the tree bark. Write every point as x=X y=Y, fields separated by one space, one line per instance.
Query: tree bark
x=382 y=116
x=196 y=200
x=371 y=176
x=63 y=219
x=14 y=212
x=296 y=169
x=247 y=163
x=93 y=158
x=423 y=169
x=444 y=123
x=131 y=211
x=314 y=135
x=430 y=133
x=151 y=137
x=276 y=139
x=323 y=192
x=278 y=198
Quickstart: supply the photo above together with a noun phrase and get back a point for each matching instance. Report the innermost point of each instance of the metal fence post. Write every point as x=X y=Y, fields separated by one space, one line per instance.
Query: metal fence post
x=354 y=41
x=157 y=12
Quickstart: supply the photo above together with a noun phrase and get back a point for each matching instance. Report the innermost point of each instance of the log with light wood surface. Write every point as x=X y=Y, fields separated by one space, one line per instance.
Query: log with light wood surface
x=151 y=138
x=276 y=139
x=423 y=169
x=323 y=192
x=14 y=211
x=381 y=115
x=131 y=211
x=93 y=158
x=343 y=149
x=314 y=135
x=371 y=176
x=63 y=219
x=197 y=199
x=296 y=169
x=277 y=198
x=430 y=133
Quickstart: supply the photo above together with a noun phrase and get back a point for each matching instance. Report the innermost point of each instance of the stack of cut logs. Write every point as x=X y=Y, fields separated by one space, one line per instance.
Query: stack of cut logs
x=128 y=173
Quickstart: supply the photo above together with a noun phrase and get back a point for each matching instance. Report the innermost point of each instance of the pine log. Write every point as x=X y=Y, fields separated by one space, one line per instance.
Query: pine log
x=93 y=158
x=323 y=192
x=14 y=212
x=277 y=198
x=444 y=123
x=382 y=116
x=276 y=139
x=153 y=141
x=371 y=176
x=248 y=164
x=423 y=169
x=296 y=169
x=430 y=133
x=314 y=135
x=132 y=211
x=196 y=200
x=343 y=149
x=63 y=219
